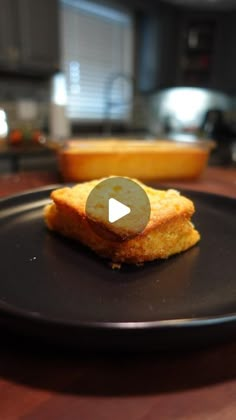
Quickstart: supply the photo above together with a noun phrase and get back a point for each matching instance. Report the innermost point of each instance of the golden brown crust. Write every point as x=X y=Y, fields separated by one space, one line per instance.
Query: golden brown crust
x=165 y=205
x=168 y=232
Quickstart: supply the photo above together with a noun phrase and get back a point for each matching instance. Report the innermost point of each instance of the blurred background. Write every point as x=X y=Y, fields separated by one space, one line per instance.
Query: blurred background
x=72 y=68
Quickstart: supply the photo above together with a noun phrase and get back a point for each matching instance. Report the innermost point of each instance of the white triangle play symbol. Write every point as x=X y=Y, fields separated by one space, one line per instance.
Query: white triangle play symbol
x=116 y=210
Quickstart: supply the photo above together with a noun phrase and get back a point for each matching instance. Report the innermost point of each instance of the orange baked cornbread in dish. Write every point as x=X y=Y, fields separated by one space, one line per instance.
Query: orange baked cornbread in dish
x=85 y=160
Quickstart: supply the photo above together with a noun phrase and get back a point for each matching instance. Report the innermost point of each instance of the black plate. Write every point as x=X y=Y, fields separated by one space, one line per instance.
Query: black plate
x=53 y=288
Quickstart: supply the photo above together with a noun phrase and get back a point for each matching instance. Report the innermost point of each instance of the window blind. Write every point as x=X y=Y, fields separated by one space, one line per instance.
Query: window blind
x=97 y=60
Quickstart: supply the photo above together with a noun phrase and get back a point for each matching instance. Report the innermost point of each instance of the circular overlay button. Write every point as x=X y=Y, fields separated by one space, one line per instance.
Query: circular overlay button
x=118 y=208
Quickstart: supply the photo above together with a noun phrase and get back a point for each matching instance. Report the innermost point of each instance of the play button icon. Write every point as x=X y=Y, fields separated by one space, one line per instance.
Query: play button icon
x=118 y=208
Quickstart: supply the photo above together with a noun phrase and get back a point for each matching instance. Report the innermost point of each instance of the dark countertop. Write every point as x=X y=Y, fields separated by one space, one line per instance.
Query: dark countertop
x=14 y=154
x=48 y=385
x=214 y=179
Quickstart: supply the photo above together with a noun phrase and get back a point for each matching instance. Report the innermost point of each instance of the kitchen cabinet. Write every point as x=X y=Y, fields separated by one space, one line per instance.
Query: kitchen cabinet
x=197 y=49
x=224 y=63
x=195 y=64
x=9 y=39
x=157 y=48
x=169 y=45
x=39 y=35
x=29 y=36
x=179 y=47
x=207 y=54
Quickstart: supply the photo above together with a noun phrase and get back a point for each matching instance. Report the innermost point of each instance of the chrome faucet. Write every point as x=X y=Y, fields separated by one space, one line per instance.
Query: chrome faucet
x=109 y=104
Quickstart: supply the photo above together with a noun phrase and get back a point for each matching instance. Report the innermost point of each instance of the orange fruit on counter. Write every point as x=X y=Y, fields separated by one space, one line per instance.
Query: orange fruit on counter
x=16 y=137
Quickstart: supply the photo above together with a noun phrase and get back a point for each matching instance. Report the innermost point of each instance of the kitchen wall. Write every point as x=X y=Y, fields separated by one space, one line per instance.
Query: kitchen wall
x=183 y=108
x=25 y=101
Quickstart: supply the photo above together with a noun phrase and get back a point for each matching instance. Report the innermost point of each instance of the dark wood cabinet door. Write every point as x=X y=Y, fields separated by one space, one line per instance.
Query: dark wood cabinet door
x=9 y=40
x=157 y=47
x=39 y=35
x=224 y=70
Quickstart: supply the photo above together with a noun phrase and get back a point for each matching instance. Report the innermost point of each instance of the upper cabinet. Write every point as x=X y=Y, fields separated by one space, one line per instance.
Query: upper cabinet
x=179 y=47
x=9 y=35
x=29 y=36
x=224 y=60
x=207 y=53
x=157 y=48
x=195 y=64
x=39 y=34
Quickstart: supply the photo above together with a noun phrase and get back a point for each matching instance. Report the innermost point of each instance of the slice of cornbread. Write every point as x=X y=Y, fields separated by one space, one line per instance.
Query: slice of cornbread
x=169 y=230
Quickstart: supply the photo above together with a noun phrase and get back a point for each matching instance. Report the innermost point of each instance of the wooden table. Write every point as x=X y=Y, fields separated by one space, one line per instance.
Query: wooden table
x=43 y=385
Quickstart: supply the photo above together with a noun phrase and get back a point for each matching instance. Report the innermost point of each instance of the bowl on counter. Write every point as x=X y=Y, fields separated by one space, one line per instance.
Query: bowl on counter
x=86 y=159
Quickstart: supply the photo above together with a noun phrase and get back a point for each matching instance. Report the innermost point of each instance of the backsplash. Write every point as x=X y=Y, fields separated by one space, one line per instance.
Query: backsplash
x=25 y=102
x=179 y=108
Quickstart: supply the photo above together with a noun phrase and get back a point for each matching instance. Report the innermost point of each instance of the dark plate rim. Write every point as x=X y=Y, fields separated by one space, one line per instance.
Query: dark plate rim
x=12 y=311
x=30 y=191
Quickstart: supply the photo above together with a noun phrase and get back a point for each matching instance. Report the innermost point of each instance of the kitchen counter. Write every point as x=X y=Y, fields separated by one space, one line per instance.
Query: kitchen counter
x=42 y=384
x=14 y=154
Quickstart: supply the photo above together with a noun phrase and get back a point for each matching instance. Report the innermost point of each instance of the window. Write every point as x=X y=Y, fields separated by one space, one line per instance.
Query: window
x=97 y=60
